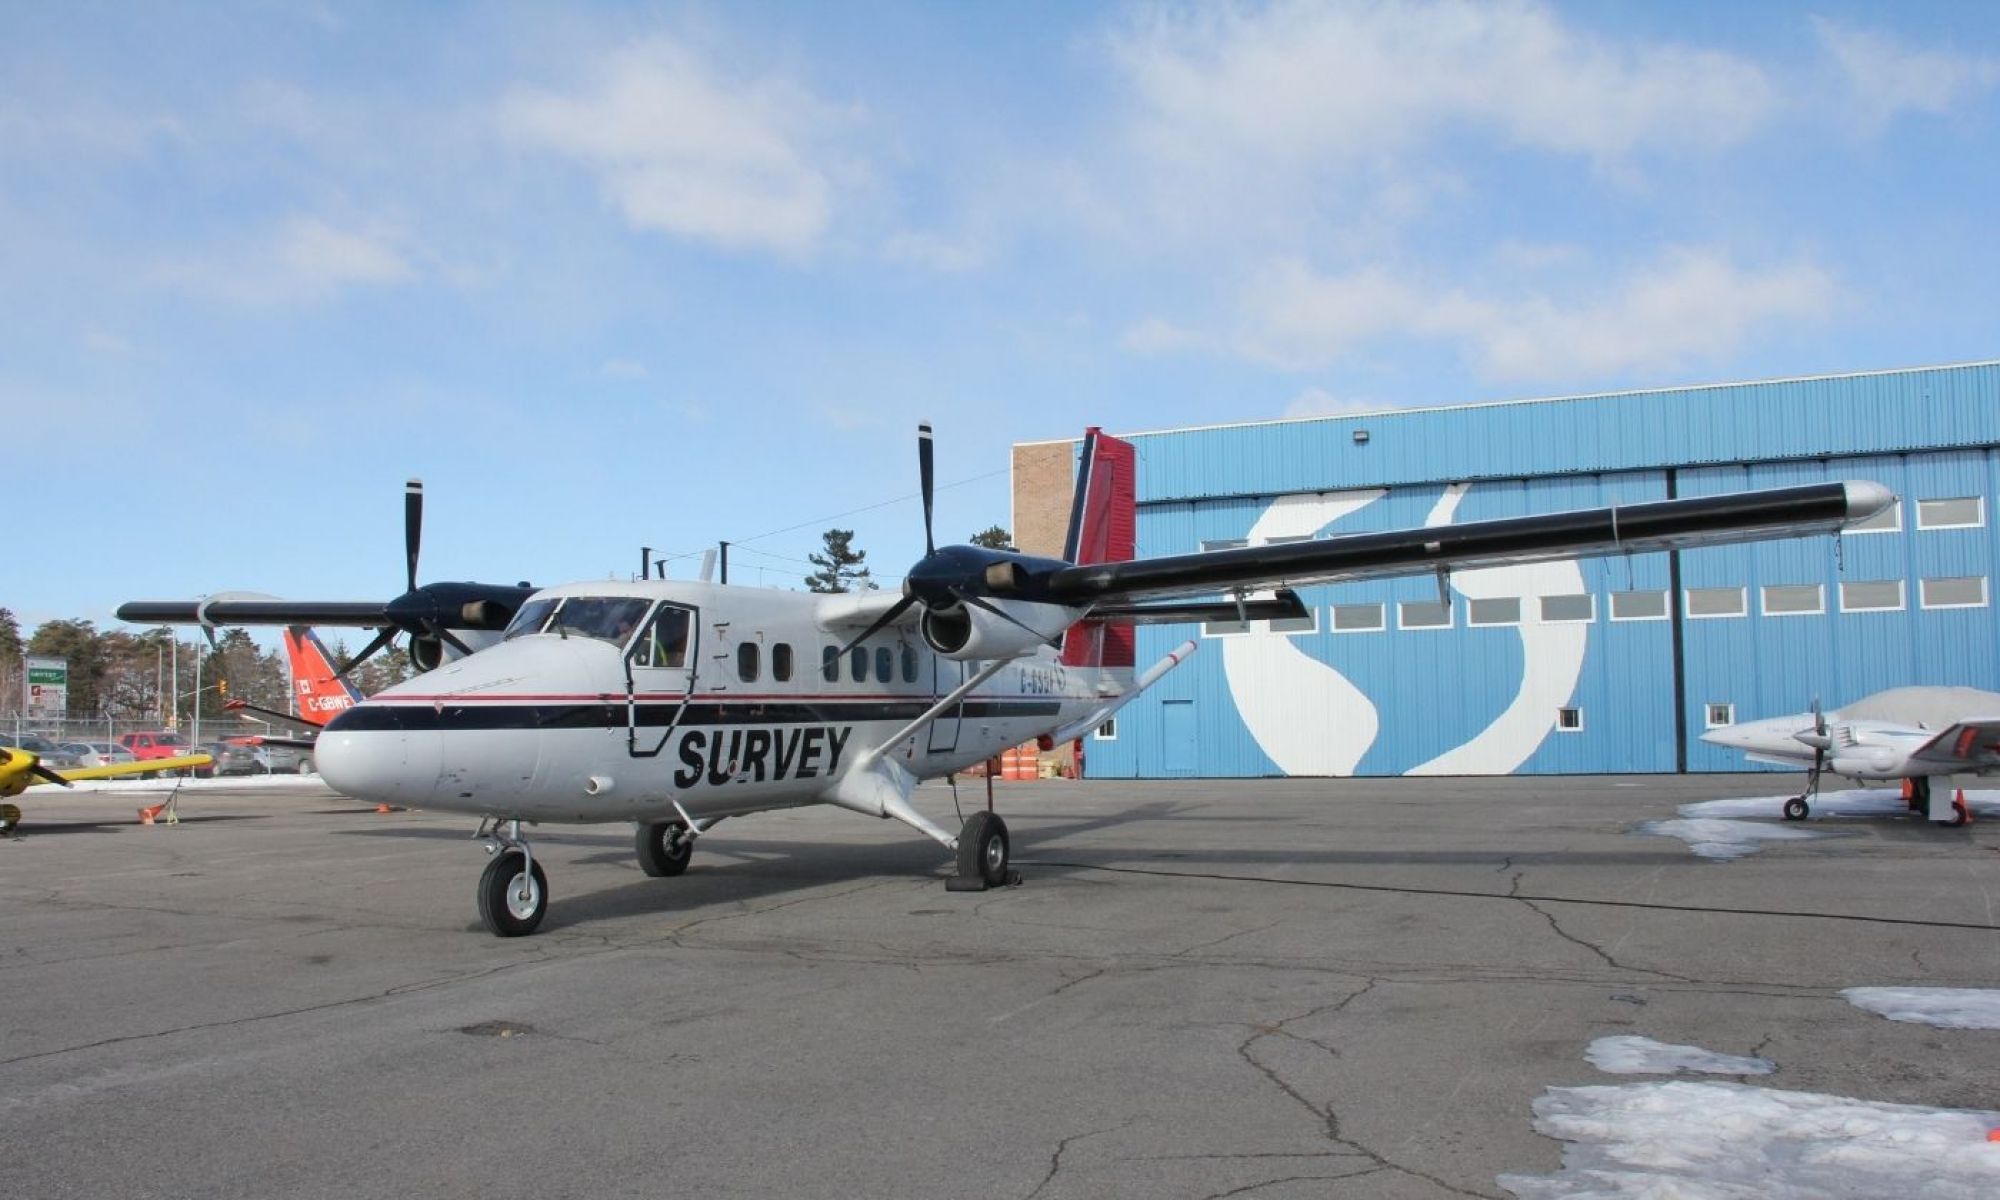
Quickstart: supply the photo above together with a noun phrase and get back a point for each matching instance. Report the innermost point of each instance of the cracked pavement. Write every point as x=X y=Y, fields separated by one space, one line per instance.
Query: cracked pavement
x=1269 y=988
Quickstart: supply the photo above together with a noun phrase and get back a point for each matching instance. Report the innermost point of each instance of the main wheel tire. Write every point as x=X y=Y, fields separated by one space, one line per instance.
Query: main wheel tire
x=512 y=902
x=10 y=818
x=664 y=849
x=983 y=849
x=1796 y=809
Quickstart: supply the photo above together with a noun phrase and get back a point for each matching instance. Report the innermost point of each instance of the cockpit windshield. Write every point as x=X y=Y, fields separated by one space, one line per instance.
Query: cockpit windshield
x=533 y=615
x=608 y=618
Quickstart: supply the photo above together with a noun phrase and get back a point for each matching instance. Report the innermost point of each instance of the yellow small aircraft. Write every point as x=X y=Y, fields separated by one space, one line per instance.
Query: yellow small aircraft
x=21 y=770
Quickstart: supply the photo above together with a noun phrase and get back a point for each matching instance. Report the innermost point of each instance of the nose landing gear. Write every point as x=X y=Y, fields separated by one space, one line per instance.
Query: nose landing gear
x=513 y=891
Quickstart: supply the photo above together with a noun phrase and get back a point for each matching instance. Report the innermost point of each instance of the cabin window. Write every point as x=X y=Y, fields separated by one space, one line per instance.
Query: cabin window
x=1720 y=715
x=1793 y=599
x=746 y=662
x=1569 y=720
x=666 y=640
x=857 y=664
x=1357 y=618
x=829 y=664
x=909 y=663
x=607 y=618
x=1871 y=595
x=781 y=662
x=1715 y=602
x=885 y=664
x=1494 y=610
x=1638 y=606
x=1962 y=592
x=1423 y=614
x=1568 y=610
x=1964 y=512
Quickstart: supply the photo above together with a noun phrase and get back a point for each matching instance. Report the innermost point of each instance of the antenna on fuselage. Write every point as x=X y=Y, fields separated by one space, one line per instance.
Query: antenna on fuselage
x=708 y=565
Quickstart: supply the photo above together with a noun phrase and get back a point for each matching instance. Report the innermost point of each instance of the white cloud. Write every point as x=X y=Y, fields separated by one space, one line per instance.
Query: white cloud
x=1156 y=335
x=1687 y=306
x=1318 y=402
x=679 y=148
x=934 y=251
x=1885 y=78
x=623 y=368
x=1300 y=82
x=306 y=259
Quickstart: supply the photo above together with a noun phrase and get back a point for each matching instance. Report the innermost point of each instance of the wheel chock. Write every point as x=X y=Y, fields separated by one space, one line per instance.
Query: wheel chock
x=150 y=813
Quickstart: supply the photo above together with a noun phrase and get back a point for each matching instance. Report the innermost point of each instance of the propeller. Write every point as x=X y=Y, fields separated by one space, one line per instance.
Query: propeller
x=422 y=612
x=35 y=766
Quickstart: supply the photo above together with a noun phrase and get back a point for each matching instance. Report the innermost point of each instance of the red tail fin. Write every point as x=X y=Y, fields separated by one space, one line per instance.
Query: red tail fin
x=1103 y=527
x=320 y=696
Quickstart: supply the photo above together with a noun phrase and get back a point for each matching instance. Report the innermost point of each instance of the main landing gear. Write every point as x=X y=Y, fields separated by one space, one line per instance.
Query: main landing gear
x=513 y=891
x=664 y=849
x=982 y=855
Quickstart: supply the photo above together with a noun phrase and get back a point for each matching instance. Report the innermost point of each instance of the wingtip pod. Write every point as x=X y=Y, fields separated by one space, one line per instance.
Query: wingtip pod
x=1865 y=498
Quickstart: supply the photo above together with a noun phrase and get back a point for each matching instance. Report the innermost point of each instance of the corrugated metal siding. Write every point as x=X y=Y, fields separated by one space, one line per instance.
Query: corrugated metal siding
x=1807 y=418
x=1435 y=689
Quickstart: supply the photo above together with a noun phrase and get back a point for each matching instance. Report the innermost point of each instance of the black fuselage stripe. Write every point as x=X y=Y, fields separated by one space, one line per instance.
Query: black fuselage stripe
x=411 y=718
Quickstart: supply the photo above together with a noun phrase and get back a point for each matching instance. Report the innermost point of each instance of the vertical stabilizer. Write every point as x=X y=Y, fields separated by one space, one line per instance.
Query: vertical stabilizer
x=1103 y=527
x=320 y=696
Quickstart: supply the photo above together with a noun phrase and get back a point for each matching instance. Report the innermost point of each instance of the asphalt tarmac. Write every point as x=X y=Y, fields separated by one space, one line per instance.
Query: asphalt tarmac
x=1203 y=988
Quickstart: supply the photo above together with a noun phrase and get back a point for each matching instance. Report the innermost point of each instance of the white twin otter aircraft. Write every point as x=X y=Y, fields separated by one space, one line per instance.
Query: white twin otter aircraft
x=675 y=704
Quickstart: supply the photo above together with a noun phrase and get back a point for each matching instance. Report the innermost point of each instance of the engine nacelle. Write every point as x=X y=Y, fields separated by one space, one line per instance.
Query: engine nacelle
x=965 y=632
x=426 y=653
x=1873 y=762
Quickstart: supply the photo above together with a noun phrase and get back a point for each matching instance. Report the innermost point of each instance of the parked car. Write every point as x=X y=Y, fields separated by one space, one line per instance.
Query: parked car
x=285 y=760
x=155 y=743
x=47 y=752
x=98 y=754
x=232 y=758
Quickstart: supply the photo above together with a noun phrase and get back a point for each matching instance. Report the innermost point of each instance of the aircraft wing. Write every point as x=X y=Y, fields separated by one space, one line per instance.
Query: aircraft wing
x=143 y=767
x=1621 y=529
x=1968 y=746
x=363 y=614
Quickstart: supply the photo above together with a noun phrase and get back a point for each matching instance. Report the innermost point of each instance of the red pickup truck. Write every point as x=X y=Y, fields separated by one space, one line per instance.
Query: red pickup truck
x=158 y=743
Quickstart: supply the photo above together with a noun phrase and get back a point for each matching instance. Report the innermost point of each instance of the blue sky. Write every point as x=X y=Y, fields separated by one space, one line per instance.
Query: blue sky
x=665 y=274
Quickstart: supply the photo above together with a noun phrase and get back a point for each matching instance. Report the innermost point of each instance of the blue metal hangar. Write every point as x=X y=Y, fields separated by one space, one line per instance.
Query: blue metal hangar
x=1578 y=666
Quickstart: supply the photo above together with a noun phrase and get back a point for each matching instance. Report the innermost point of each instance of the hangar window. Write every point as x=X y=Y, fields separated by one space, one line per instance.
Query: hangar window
x=1967 y=591
x=1889 y=520
x=1793 y=599
x=1221 y=628
x=1871 y=595
x=1107 y=732
x=1569 y=720
x=781 y=662
x=1422 y=614
x=1715 y=602
x=1494 y=610
x=746 y=662
x=1357 y=618
x=829 y=664
x=1720 y=715
x=1638 y=606
x=1963 y=512
x=1564 y=610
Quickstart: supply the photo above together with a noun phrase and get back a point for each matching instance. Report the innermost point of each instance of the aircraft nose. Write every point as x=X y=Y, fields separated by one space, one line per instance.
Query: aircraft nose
x=382 y=765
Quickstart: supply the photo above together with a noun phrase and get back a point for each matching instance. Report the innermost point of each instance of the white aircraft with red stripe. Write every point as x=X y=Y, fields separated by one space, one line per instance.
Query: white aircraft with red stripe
x=674 y=705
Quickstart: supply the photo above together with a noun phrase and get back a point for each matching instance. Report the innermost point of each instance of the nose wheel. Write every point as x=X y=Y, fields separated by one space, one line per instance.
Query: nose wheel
x=513 y=891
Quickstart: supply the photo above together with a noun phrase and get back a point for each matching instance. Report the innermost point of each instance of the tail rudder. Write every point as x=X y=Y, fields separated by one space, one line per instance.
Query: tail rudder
x=320 y=696
x=1103 y=527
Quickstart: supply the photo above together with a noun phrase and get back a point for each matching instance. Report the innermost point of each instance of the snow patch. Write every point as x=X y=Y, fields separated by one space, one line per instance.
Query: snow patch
x=187 y=786
x=1731 y=1141
x=1854 y=802
x=1627 y=1054
x=1943 y=1008
x=1714 y=837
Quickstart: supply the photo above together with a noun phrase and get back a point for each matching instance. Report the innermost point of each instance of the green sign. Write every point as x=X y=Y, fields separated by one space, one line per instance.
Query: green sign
x=54 y=676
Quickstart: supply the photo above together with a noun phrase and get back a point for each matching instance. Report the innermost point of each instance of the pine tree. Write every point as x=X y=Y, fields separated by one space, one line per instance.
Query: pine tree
x=993 y=537
x=840 y=568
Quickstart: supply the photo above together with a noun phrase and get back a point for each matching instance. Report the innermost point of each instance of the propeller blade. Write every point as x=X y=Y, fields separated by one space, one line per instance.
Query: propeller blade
x=413 y=525
x=1819 y=718
x=980 y=602
x=924 y=477
x=382 y=638
x=36 y=768
x=449 y=638
x=882 y=622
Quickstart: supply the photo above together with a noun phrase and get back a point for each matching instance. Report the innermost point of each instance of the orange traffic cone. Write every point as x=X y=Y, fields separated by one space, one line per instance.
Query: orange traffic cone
x=151 y=811
x=1959 y=806
x=383 y=808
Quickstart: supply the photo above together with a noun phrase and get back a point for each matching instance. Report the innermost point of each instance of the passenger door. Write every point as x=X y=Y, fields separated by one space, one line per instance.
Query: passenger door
x=660 y=675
